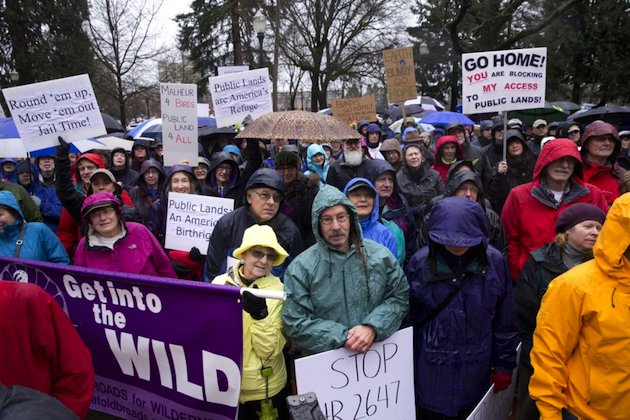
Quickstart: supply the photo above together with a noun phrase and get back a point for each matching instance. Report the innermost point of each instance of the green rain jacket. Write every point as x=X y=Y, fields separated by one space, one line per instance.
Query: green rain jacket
x=330 y=292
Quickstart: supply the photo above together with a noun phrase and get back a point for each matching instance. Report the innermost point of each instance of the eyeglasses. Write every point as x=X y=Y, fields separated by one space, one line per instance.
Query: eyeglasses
x=329 y=220
x=259 y=255
x=574 y=132
x=265 y=196
x=225 y=168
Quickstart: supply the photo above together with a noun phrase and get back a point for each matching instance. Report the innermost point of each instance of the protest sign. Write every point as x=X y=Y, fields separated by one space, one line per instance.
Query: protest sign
x=191 y=219
x=203 y=110
x=378 y=383
x=235 y=96
x=497 y=406
x=400 y=74
x=179 y=123
x=161 y=348
x=349 y=110
x=506 y=80
x=62 y=107
x=221 y=70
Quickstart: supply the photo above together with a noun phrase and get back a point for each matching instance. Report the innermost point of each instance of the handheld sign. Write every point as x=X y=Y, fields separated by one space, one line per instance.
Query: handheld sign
x=400 y=74
x=506 y=80
x=377 y=384
x=179 y=123
x=62 y=107
x=235 y=96
x=350 y=110
x=221 y=70
x=191 y=219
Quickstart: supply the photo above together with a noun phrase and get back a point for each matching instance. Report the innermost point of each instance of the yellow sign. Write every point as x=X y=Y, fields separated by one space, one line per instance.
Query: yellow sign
x=350 y=110
x=400 y=74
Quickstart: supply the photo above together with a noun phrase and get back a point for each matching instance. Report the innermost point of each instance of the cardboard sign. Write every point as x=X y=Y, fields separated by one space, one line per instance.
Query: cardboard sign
x=235 y=96
x=504 y=80
x=179 y=123
x=400 y=74
x=62 y=107
x=153 y=352
x=350 y=110
x=377 y=384
x=191 y=219
x=221 y=70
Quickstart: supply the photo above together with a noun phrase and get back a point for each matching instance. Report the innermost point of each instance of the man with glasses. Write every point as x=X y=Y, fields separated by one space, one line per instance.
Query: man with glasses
x=352 y=164
x=600 y=148
x=264 y=192
x=343 y=291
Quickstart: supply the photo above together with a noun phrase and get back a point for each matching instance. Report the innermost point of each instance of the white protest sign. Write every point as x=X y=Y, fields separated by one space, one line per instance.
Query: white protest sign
x=497 y=406
x=235 y=96
x=203 y=110
x=179 y=123
x=191 y=218
x=221 y=70
x=378 y=384
x=504 y=80
x=62 y=107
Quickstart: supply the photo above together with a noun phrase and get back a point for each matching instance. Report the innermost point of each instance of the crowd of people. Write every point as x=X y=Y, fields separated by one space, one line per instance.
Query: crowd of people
x=441 y=231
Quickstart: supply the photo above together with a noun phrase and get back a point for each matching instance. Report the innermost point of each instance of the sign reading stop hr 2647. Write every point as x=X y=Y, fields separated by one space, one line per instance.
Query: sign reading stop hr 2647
x=504 y=80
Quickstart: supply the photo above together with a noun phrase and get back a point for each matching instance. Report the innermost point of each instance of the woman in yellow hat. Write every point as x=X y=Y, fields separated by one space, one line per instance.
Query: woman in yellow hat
x=264 y=375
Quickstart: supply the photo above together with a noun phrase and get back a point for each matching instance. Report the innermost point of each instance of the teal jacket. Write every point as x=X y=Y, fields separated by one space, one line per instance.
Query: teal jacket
x=39 y=242
x=330 y=292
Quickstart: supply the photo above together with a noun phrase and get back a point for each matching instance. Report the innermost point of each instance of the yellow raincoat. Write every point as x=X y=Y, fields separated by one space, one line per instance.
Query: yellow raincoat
x=263 y=341
x=581 y=354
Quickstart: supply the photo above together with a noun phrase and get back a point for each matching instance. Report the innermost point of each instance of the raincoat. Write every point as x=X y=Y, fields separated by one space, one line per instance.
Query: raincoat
x=141 y=195
x=41 y=349
x=529 y=214
x=29 y=208
x=439 y=164
x=372 y=227
x=330 y=292
x=311 y=151
x=477 y=330
x=49 y=205
x=581 y=353
x=126 y=174
x=38 y=242
x=602 y=176
x=263 y=340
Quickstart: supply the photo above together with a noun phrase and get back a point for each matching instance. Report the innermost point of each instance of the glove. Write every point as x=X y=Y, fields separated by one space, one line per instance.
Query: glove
x=195 y=254
x=180 y=269
x=500 y=380
x=255 y=306
x=63 y=149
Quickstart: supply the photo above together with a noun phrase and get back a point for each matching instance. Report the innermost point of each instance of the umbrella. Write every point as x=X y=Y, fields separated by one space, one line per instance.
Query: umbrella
x=10 y=142
x=112 y=125
x=549 y=113
x=427 y=103
x=299 y=125
x=413 y=110
x=567 y=106
x=395 y=127
x=612 y=114
x=446 y=118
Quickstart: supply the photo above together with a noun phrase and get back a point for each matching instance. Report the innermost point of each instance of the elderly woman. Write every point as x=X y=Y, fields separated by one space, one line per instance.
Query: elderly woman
x=38 y=242
x=577 y=229
x=264 y=373
x=116 y=245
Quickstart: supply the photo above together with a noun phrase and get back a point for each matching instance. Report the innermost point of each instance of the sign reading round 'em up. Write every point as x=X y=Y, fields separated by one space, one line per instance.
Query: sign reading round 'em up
x=179 y=123
x=377 y=384
x=191 y=219
x=495 y=81
x=400 y=74
x=62 y=107
x=237 y=95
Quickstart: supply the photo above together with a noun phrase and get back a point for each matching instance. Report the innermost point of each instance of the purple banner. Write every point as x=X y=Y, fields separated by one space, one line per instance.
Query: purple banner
x=161 y=348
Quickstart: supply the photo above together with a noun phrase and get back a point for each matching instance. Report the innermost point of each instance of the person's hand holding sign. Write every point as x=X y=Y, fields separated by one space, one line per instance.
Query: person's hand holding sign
x=360 y=338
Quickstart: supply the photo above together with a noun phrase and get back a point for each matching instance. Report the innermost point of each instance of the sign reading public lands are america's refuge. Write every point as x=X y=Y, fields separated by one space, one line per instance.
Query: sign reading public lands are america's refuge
x=377 y=384
x=506 y=80
x=62 y=107
x=191 y=219
x=237 y=95
x=161 y=348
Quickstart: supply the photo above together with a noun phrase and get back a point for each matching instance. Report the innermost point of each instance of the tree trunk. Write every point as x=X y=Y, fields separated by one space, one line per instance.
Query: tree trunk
x=236 y=34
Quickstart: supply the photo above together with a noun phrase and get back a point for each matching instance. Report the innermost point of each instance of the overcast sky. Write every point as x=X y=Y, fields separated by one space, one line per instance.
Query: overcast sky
x=165 y=25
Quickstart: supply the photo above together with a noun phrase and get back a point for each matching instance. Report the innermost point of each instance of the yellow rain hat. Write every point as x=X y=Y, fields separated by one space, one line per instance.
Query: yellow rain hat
x=261 y=235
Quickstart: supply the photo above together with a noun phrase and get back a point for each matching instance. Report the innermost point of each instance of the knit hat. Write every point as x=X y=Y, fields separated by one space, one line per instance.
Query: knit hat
x=261 y=235
x=287 y=159
x=105 y=172
x=577 y=213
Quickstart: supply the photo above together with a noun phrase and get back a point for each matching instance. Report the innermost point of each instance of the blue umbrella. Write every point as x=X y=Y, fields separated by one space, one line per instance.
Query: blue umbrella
x=446 y=118
x=8 y=130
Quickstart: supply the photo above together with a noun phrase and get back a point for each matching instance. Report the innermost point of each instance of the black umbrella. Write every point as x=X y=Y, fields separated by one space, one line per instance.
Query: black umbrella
x=612 y=114
x=112 y=125
x=414 y=110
